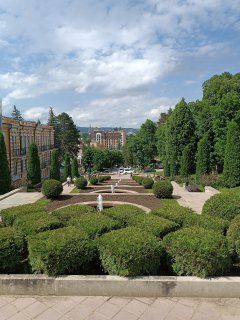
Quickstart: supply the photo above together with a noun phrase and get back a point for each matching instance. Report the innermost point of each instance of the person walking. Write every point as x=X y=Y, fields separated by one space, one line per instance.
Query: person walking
x=69 y=180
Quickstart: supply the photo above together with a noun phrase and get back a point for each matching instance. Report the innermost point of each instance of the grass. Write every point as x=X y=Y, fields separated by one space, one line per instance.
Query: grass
x=43 y=202
x=75 y=190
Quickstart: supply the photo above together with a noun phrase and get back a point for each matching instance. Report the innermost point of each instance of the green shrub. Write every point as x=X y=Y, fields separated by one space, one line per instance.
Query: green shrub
x=36 y=222
x=150 y=223
x=11 y=249
x=103 y=178
x=52 y=188
x=138 y=179
x=81 y=183
x=73 y=211
x=94 y=224
x=197 y=252
x=174 y=213
x=93 y=180
x=223 y=205
x=10 y=214
x=233 y=234
x=123 y=213
x=130 y=252
x=163 y=189
x=62 y=251
x=147 y=183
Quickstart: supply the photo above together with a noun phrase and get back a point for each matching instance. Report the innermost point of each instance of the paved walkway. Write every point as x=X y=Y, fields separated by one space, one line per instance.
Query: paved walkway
x=117 y=308
x=20 y=198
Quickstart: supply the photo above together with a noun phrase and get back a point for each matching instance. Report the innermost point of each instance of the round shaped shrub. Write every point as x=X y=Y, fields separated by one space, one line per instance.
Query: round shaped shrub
x=225 y=206
x=52 y=188
x=197 y=252
x=130 y=252
x=138 y=179
x=147 y=183
x=173 y=212
x=73 y=211
x=81 y=183
x=233 y=234
x=93 y=180
x=163 y=189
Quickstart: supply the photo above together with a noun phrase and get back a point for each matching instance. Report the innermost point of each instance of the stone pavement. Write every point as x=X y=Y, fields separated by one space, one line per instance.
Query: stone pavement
x=20 y=198
x=117 y=308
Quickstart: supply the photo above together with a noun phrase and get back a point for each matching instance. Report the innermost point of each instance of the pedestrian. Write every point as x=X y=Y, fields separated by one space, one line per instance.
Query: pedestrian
x=69 y=180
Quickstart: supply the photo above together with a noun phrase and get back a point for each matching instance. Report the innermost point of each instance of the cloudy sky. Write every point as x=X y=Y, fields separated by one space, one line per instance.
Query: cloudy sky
x=113 y=62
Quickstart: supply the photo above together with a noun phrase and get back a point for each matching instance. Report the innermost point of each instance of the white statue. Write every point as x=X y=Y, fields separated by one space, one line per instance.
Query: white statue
x=100 y=202
x=112 y=188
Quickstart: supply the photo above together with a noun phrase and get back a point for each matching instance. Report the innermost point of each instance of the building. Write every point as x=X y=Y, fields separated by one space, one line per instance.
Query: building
x=112 y=139
x=18 y=136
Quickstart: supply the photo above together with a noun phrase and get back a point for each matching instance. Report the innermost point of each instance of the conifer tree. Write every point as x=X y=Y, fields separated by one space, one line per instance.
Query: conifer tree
x=33 y=165
x=55 y=165
x=16 y=114
x=75 y=172
x=203 y=156
x=186 y=163
x=5 y=177
x=67 y=166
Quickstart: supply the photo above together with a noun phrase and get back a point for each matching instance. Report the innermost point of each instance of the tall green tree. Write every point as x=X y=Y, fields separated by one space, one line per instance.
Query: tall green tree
x=55 y=165
x=75 y=172
x=16 y=114
x=33 y=165
x=231 y=172
x=67 y=166
x=203 y=156
x=186 y=163
x=5 y=177
x=53 y=121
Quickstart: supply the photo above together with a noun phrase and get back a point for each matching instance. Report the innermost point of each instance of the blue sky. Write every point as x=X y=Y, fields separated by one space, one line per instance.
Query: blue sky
x=113 y=63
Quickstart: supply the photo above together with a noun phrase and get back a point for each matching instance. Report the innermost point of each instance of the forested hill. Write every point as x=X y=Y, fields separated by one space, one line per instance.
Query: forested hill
x=86 y=129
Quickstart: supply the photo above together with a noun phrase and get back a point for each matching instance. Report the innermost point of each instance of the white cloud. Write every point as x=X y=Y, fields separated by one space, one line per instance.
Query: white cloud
x=36 y=113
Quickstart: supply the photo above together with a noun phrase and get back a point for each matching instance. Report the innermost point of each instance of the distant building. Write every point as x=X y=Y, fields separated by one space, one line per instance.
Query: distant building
x=112 y=139
x=18 y=136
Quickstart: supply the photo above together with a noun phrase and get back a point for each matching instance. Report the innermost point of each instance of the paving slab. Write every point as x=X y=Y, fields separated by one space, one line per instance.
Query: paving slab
x=20 y=198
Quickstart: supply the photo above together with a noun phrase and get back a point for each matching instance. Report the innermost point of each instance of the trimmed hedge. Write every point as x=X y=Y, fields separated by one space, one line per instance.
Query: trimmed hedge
x=103 y=178
x=62 y=251
x=163 y=189
x=174 y=213
x=81 y=183
x=73 y=211
x=11 y=250
x=138 y=179
x=147 y=183
x=94 y=224
x=197 y=252
x=9 y=215
x=123 y=213
x=36 y=222
x=130 y=252
x=93 y=180
x=233 y=234
x=152 y=224
x=52 y=188
x=223 y=205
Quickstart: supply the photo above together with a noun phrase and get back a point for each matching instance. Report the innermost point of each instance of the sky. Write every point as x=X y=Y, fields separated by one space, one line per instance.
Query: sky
x=113 y=62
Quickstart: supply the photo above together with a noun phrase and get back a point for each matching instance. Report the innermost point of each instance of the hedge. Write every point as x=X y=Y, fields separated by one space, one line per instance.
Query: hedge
x=36 y=222
x=150 y=223
x=174 y=213
x=138 y=179
x=123 y=213
x=62 y=251
x=10 y=214
x=233 y=234
x=94 y=224
x=52 y=188
x=130 y=252
x=197 y=252
x=103 y=178
x=73 y=211
x=223 y=205
x=11 y=249
x=163 y=189
x=93 y=180
x=147 y=183
x=81 y=183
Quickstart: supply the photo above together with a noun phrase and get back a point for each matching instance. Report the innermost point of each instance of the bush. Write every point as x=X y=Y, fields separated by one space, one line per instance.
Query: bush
x=11 y=249
x=130 y=252
x=73 y=211
x=175 y=213
x=213 y=180
x=150 y=223
x=61 y=251
x=81 y=183
x=225 y=206
x=94 y=224
x=147 y=183
x=36 y=222
x=163 y=189
x=233 y=234
x=9 y=215
x=197 y=252
x=102 y=179
x=138 y=179
x=52 y=188
x=93 y=180
x=123 y=213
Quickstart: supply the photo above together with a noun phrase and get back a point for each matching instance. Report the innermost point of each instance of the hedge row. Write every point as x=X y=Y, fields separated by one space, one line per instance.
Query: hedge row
x=73 y=211
x=102 y=179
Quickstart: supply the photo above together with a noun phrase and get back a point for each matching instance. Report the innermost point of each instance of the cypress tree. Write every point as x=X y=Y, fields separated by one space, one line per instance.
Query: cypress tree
x=75 y=172
x=5 y=177
x=55 y=165
x=33 y=166
x=186 y=163
x=16 y=114
x=67 y=166
x=231 y=171
x=203 y=156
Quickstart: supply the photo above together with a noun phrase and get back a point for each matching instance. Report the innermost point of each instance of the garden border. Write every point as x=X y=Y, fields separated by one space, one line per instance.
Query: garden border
x=159 y=286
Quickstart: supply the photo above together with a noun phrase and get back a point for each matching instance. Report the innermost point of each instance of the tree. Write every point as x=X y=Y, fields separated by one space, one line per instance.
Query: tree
x=16 y=114
x=38 y=121
x=5 y=177
x=75 y=172
x=55 y=165
x=53 y=121
x=67 y=166
x=203 y=156
x=231 y=171
x=88 y=161
x=33 y=165
x=186 y=164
